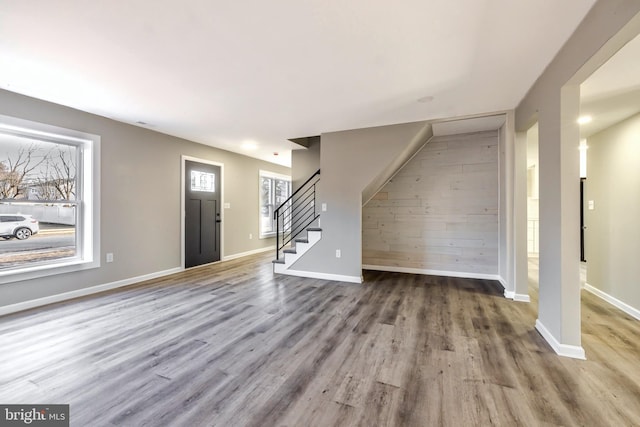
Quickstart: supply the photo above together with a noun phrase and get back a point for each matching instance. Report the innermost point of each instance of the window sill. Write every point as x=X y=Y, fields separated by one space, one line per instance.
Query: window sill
x=44 y=270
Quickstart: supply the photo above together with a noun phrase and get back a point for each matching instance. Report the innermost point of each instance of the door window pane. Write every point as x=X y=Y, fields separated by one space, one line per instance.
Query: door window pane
x=203 y=181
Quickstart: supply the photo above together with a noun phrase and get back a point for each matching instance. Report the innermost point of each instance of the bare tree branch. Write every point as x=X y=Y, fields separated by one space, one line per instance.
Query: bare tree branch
x=64 y=176
x=15 y=169
x=58 y=179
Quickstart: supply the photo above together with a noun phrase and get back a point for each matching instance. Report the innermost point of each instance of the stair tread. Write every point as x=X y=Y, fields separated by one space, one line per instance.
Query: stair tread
x=278 y=261
x=314 y=229
x=302 y=240
x=289 y=251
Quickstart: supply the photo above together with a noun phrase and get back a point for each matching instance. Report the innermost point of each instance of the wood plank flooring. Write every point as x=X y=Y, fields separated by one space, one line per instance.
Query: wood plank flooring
x=232 y=345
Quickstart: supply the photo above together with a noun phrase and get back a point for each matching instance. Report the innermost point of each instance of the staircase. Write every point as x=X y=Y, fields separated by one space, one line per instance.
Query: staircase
x=293 y=217
x=292 y=254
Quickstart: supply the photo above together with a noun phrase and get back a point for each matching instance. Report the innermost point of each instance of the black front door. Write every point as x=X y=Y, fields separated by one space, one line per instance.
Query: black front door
x=202 y=213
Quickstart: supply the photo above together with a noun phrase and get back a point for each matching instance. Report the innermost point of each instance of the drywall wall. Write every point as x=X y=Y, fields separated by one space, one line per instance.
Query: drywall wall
x=519 y=198
x=505 y=206
x=140 y=198
x=533 y=185
x=612 y=237
x=350 y=161
x=305 y=162
x=440 y=211
x=553 y=101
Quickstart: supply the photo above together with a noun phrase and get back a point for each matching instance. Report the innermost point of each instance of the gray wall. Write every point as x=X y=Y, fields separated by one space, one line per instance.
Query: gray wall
x=304 y=163
x=440 y=212
x=554 y=102
x=140 y=198
x=612 y=237
x=350 y=161
x=533 y=186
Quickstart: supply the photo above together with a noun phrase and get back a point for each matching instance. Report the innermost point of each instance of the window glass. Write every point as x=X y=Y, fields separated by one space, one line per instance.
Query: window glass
x=203 y=181
x=42 y=191
x=274 y=191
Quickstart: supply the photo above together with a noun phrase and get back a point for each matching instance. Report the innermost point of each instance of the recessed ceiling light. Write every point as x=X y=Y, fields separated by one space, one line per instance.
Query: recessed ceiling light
x=584 y=120
x=425 y=99
x=249 y=145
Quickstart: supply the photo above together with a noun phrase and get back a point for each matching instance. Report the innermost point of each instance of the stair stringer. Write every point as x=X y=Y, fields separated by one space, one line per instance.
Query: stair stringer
x=290 y=256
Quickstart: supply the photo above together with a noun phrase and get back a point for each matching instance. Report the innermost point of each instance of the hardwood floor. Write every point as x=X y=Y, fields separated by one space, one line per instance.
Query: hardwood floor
x=232 y=345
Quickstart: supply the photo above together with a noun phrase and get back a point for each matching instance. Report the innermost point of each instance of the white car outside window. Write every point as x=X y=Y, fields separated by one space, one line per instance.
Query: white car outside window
x=19 y=226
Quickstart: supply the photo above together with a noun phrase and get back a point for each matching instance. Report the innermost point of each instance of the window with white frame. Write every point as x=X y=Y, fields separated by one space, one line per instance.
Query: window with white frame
x=48 y=212
x=275 y=189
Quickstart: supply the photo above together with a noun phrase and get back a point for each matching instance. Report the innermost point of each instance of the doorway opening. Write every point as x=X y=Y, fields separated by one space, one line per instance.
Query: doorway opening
x=533 y=217
x=610 y=148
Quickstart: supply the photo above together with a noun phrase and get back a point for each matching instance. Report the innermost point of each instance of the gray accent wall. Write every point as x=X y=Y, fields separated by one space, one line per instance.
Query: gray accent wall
x=140 y=198
x=440 y=211
x=612 y=237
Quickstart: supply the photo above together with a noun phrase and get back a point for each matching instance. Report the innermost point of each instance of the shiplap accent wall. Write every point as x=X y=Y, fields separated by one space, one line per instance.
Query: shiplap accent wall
x=440 y=212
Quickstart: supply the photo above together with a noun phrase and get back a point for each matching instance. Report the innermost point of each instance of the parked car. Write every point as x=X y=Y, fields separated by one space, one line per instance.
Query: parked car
x=19 y=226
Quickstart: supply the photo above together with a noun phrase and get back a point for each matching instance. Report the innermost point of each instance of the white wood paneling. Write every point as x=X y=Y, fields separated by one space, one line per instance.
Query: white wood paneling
x=440 y=212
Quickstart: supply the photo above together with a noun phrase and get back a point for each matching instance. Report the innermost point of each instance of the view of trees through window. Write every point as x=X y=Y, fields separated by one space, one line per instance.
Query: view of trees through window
x=273 y=192
x=38 y=200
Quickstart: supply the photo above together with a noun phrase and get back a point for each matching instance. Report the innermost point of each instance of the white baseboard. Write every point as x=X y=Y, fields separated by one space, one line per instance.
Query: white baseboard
x=631 y=311
x=459 y=274
x=503 y=283
x=463 y=275
x=521 y=297
x=247 y=253
x=26 y=305
x=516 y=297
x=324 y=276
x=573 y=351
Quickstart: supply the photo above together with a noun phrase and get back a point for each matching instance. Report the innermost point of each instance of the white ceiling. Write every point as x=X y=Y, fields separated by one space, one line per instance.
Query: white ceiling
x=612 y=93
x=225 y=73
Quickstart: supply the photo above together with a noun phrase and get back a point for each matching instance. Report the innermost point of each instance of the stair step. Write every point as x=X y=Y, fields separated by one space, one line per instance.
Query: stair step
x=305 y=244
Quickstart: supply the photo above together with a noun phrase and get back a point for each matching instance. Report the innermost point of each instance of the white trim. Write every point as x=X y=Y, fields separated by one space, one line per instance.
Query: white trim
x=247 y=253
x=324 y=276
x=88 y=213
x=631 y=311
x=573 y=351
x=516 y=297
x=459 y=274
x=13 y=308
x=183 y=160
x=522 y=298
x=271 y=175
x=507 y=294
x=274 y=175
